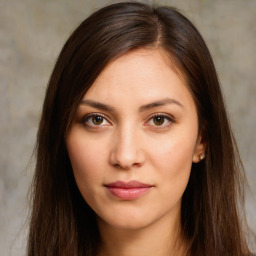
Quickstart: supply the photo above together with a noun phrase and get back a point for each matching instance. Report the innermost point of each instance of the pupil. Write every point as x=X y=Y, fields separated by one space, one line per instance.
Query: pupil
x=97 y=119
x=158 y=120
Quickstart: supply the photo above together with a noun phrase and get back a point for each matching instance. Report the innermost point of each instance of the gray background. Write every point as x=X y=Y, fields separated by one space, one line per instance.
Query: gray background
x=32 y=33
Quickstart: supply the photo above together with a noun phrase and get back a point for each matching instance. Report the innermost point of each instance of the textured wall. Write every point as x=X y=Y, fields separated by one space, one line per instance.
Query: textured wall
x=32 y=33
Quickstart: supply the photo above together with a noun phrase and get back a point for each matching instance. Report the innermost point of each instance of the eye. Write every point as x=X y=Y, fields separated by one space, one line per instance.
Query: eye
x=160 y=120
x=94 y=120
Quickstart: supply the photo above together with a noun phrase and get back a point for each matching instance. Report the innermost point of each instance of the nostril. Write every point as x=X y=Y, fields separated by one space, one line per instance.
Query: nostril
x=126 y=167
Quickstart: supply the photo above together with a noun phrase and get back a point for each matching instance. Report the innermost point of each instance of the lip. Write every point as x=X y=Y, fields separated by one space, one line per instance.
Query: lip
x=130 y=190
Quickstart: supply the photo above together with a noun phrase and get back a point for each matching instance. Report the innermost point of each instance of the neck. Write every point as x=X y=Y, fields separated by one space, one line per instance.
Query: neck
x=163 y=238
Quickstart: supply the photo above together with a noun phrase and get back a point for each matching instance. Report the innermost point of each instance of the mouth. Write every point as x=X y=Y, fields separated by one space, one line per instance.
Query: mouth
x=128 y=190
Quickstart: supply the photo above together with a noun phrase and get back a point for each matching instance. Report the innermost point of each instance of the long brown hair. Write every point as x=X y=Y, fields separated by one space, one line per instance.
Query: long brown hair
x=61 y=222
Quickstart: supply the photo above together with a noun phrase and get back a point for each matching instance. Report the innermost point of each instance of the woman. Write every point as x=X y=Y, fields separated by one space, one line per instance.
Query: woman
x=135 y=155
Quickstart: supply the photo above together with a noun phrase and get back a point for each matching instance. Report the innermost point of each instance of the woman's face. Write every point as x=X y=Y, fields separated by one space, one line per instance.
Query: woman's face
x=133 y=141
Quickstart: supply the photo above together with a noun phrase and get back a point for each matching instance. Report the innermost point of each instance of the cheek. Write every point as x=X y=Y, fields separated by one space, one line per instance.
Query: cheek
x=174 y=151
x=85 y=160
x=175 y=168
x=173 y=160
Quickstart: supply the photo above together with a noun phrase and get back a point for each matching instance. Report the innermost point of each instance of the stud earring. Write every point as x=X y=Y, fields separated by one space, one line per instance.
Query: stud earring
x=201 y=157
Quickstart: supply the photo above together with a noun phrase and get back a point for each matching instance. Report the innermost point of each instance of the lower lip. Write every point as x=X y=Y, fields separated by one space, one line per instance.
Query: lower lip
x=128 y=193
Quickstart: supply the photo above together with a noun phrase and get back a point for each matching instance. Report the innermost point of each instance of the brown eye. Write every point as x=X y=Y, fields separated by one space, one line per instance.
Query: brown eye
x=158 y=120
x=97 y=120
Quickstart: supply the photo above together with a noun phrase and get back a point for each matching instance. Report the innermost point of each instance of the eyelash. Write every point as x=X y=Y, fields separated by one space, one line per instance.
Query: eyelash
x=170 y=120
x=167 y=118
x=85 y=120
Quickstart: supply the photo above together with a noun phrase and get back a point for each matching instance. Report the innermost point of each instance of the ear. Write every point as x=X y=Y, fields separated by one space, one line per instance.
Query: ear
x=199 y=150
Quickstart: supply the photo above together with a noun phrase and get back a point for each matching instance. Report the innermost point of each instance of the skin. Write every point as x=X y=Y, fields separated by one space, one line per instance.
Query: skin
x=128 y=143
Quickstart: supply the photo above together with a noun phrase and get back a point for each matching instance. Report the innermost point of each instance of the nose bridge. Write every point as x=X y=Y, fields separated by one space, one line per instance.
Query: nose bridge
x=127 y=151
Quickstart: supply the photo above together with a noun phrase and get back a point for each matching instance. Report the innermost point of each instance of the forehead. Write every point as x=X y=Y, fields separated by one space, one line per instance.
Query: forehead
x=143 y=75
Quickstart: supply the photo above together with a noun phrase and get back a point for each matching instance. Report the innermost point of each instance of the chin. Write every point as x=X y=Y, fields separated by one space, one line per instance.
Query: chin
x=128 y=224
x=126 y=221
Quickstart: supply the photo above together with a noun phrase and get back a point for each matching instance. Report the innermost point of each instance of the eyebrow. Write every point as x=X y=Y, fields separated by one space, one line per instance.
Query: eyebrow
x=160 y=103
x=98 y=105
x=142 y=108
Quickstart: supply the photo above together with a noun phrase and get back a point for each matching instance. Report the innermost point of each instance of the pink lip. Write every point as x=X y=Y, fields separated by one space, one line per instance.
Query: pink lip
x=128 y=190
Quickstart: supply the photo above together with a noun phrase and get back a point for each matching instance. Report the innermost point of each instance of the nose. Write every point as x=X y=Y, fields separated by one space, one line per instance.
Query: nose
x=127 y=150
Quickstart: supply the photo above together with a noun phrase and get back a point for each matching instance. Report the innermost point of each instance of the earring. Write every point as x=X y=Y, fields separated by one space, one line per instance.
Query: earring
x=201 y=157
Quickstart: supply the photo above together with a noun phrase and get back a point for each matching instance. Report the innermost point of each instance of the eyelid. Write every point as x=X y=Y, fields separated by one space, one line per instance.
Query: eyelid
x=169 y=117
x=86 y=117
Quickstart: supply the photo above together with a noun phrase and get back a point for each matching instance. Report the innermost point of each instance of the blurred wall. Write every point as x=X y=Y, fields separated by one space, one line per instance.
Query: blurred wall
x=32 y=33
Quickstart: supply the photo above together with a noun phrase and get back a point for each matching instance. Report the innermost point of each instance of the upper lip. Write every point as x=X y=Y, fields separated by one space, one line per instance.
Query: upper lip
x=129 y=184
